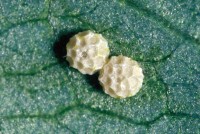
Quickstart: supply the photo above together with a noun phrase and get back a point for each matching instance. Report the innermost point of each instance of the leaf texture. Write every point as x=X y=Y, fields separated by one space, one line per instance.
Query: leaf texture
x=40 y=93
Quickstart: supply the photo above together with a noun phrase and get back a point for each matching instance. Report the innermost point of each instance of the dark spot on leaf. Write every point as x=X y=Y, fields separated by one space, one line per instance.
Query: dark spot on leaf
x=24 y=4
x=143 y=96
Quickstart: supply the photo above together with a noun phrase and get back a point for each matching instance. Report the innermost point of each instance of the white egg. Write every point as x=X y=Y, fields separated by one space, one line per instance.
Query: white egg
x=121 y=77
x=87 y=51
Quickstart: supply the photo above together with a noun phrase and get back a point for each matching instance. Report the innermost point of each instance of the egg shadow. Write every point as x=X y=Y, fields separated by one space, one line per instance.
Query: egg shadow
x=60 y=52
x=94 y=82
x=59 y=47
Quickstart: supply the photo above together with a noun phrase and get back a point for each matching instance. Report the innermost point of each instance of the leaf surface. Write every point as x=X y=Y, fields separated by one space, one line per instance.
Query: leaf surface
x=40 y=93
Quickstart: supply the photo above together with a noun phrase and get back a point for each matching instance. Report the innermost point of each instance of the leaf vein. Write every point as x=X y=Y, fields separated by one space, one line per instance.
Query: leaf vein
x=161 y=21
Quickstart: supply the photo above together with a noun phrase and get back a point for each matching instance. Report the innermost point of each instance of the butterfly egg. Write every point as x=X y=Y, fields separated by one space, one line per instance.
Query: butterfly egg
x=87 y=51
x=121 y=77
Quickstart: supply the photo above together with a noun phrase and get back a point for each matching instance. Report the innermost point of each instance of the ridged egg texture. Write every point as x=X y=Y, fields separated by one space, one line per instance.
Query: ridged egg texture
x=121 y=77
x=87 y=51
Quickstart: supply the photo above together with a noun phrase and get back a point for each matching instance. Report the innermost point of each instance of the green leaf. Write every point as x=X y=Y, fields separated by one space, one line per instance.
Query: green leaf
x=40 y=93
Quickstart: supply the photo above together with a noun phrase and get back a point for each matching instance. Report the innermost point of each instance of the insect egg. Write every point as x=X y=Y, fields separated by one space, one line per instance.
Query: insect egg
x=87 y=51
x=121 y=77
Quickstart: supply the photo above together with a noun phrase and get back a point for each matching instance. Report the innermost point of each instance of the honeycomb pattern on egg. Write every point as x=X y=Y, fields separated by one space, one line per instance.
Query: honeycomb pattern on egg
x=121 y=77
x=87 y=51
